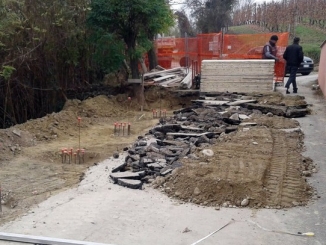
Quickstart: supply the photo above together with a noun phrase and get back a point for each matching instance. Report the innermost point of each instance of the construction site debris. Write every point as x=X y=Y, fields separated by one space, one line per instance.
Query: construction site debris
x=225 y=155
x=16 y=132
x=37 y=150
x=133 y=184
x=175 y=77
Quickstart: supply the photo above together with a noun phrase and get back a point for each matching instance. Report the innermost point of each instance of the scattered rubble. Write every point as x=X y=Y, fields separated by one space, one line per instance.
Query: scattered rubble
x=175 y=77
x=224 y=154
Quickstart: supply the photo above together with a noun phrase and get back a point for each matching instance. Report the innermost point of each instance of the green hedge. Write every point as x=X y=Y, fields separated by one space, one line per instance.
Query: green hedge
x=312 y=51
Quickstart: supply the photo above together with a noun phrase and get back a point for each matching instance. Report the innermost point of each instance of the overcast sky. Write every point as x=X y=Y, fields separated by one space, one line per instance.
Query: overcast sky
x=261 y=1
x=178 y=6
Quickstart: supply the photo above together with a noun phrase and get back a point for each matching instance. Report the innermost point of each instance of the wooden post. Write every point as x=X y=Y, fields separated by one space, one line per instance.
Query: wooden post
x=129 y=103
x=143 y=93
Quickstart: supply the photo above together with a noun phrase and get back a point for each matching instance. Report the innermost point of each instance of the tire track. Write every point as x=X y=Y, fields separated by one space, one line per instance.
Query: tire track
x=283 y=180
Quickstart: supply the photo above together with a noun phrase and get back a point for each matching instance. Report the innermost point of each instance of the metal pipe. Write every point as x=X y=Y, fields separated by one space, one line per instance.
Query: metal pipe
x=68 y=153
x=79 y=119
x=65 y=155
x=0 y=199
x=115 y=129
x=78 y=154
x=62 y=150
x=119 y=129
x=83 y=153
x=42 y=240
x=123 y=129
x=75 y=157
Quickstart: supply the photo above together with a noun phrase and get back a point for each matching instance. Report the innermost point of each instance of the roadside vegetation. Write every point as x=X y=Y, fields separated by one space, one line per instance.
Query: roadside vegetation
x=50 y=48
x=302 y=18
x=311 y=38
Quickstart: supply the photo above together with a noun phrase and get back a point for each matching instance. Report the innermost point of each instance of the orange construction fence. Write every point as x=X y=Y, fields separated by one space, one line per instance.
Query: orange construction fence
x=190 y=52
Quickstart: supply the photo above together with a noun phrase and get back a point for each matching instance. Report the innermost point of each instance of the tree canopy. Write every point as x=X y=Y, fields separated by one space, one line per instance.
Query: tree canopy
x=48 y=51
x=211 y=15
x=43 y=52
x=133 y=21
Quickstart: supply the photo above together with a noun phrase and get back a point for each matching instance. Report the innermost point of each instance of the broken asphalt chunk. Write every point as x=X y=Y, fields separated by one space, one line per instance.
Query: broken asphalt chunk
x=276 y=110
x=166 y=172
x=124 y=175
x=119 y=168
x=130 y=183
x=293 y=113
x=231 y=129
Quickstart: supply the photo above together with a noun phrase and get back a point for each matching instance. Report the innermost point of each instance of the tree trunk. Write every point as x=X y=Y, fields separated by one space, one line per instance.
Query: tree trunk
x=138 y=90
x=134 y=67
x=152 y=58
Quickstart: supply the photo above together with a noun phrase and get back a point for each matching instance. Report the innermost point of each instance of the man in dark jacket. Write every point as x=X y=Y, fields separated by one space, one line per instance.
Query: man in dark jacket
x=270 y=49
x=294 y=56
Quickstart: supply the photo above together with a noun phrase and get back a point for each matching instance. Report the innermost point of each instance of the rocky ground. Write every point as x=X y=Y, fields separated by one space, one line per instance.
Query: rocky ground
x=227 y=150
x=261 y=164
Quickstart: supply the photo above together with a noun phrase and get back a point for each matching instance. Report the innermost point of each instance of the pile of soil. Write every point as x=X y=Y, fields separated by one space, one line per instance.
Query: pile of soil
x=261 y=165
x=65 y=122
x=272 y=98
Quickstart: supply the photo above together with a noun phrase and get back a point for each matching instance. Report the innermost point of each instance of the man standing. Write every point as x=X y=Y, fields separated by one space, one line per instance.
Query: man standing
x=270 y=49
x=294 y=56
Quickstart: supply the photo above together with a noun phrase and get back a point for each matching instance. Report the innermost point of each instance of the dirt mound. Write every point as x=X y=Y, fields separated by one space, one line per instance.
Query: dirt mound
x=261 y=165
x=275 y=122
x=65 y=122
x=276 y=98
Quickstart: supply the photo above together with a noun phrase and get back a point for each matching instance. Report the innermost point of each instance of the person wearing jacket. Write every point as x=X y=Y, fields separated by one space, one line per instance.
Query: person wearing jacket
x=294 y=56
x=270 y=49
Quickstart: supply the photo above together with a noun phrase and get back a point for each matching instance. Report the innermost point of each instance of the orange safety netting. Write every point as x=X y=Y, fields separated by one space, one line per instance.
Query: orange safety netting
x=175 y=52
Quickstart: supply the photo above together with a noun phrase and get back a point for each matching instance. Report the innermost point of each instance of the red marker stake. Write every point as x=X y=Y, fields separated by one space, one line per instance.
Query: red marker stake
x=79 y=119
x=62 y=154
x=75 y=157
x=83 y=153
x=129 y=129
x=123 y=129
x=115 y=128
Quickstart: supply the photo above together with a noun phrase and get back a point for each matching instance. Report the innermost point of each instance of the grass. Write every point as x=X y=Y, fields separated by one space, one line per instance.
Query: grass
x=245 y=29
x=311 y=38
